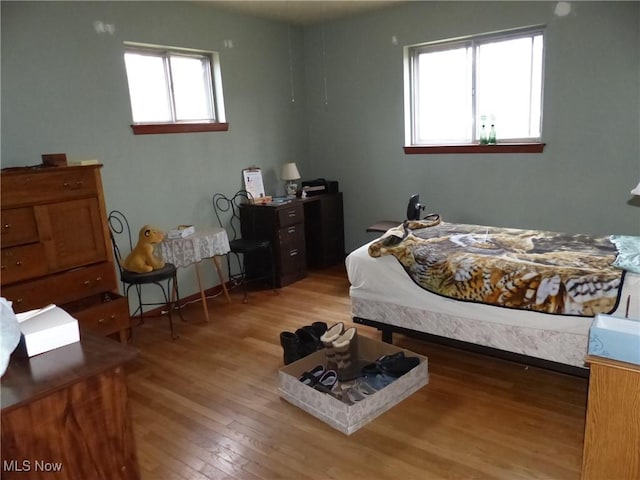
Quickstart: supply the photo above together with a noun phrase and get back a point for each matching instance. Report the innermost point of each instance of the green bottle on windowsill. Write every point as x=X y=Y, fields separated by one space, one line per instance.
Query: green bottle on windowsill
x=492 y=135
x=484 y=139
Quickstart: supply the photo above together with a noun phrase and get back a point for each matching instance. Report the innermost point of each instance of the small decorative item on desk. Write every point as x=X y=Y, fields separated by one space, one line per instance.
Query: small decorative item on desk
x=54 y=159
x=182 y=231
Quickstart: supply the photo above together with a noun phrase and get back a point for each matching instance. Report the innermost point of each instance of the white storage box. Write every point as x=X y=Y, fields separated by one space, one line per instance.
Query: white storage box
x=615 y=338
x=340 y=415
x=47 y=328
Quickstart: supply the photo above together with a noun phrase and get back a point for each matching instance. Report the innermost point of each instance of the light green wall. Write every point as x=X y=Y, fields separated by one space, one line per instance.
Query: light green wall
x=580 y=183
x=64 y=89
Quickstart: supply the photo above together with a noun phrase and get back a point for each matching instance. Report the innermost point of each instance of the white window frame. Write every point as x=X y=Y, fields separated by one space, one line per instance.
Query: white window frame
x=213 y=79
x=410 y=80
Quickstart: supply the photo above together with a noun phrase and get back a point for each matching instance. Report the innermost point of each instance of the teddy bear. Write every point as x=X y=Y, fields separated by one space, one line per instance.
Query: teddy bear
x=142 y=259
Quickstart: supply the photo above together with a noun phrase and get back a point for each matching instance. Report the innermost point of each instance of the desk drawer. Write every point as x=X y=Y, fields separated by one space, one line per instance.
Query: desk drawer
x=291 y=235
x=18 y=226
x=101 y=314
x=290 y=214
x=61 y=288
x=22 y=263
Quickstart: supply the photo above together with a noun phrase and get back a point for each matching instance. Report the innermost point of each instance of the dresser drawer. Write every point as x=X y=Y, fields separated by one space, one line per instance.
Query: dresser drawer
x=61 y=288
x=18 y=226
x=290 y=214
x=101 y=314
x=48 y=185
x=22 y=263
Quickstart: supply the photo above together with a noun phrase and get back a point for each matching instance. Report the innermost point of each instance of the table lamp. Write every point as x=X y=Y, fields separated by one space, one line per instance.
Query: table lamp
x=290 y=174
x=636 y=191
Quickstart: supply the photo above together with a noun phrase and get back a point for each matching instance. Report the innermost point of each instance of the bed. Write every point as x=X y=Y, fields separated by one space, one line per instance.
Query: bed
x=530 y=326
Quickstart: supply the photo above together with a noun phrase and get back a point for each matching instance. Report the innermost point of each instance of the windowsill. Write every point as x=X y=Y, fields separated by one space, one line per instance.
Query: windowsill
x=498 y=148
x=154 y=128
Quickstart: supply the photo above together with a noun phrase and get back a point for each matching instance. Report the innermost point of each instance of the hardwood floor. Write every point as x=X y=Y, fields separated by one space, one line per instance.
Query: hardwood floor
x=206 y=405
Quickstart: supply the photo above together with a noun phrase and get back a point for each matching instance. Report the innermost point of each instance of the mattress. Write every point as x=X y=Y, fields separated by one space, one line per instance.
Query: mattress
x=382 y=291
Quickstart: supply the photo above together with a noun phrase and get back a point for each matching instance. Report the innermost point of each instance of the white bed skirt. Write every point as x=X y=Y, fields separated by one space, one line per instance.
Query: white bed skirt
x=382 y=291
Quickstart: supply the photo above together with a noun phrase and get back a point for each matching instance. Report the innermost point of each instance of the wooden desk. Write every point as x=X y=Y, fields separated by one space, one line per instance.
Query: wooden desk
x=304 y=233
x=66 y=411
x=612 y=431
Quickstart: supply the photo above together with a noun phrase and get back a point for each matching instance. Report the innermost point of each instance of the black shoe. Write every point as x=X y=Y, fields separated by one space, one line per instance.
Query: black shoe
x=291 y=346
x=309 y=340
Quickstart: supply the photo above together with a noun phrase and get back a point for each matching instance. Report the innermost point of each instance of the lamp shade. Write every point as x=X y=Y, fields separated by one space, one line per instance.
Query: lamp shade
x=636 y=191
x=289 y=172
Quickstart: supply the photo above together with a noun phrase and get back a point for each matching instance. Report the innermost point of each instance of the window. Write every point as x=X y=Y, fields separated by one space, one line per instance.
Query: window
x=454 y=87
x=174 y=90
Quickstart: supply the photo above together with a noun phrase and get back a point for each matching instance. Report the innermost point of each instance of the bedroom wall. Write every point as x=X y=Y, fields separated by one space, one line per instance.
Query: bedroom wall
x=580 y=183
x=64 y=89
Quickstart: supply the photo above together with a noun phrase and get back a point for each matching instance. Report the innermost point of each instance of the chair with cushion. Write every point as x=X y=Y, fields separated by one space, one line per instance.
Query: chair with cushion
x=165 y=277
x=227 y=210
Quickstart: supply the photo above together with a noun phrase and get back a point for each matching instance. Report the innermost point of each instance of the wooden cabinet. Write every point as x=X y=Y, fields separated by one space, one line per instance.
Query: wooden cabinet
x=283 y=226
x=324 y=230
x=56 y=247
x=65 y=414
x=612 y=432
x=304 y=233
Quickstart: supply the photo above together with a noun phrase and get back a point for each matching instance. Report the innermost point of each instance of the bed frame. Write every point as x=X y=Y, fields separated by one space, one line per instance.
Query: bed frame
x=388 y=330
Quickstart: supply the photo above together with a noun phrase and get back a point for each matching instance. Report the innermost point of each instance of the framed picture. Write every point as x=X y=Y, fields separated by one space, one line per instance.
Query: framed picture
x=252 y=178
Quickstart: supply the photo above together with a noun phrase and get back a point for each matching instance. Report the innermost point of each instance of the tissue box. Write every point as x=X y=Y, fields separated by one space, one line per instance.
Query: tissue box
x=615 y=338
x=47 y=328
x=182 y=231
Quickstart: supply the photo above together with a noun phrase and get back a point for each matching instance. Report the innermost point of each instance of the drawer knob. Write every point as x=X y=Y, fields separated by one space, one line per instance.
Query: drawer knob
x=7 y=226
x=292 y=213
x=86 y=282
x=291 y=229
x=19 y=263
x=73 y=185
x=293 y=252
x=101 y=320
x=98 y=279
x=3 y=267
x=19 y=300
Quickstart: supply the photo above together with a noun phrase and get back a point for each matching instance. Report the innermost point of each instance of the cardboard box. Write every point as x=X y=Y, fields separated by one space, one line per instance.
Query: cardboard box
x=342 y=416
x=615 y=338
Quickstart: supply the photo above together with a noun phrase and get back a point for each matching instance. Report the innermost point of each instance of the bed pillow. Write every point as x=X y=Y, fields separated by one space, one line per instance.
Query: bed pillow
x=628 y=252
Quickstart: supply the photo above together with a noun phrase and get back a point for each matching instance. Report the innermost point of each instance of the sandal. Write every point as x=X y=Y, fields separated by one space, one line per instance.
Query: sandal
x=360 y=391
x=327 y=381
x=313 y=376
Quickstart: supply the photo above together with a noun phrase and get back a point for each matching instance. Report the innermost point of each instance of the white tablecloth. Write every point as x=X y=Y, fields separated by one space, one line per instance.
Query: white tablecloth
x=204 y=243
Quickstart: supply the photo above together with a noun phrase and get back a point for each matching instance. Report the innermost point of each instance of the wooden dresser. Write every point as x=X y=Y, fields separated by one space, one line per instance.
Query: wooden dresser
x=65 y=414
x=56 y=246
x=612 y=431
x=304 y=233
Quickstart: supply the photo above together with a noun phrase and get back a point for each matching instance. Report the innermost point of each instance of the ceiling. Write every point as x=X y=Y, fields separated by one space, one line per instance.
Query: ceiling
x=301 y=12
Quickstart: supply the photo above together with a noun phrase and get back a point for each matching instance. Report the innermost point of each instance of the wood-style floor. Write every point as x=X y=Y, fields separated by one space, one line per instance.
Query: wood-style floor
x=206 y=406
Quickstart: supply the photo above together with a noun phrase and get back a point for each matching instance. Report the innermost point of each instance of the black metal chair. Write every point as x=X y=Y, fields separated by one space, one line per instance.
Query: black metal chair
x=227 y=210
x=165 y=277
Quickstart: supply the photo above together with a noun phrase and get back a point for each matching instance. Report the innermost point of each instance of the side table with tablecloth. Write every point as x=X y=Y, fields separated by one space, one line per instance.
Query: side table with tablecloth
x=208 y=242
